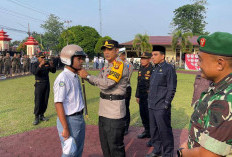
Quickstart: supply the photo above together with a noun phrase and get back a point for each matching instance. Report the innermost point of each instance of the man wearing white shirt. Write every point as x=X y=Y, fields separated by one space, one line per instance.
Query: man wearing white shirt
x=68 y=99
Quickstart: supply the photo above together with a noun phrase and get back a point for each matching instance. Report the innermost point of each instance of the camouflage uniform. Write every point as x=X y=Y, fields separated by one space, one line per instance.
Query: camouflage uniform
x=211 y=122
x=14 y=62
x=18 y=65
x=1 y=64
x=26 y=63
x=7 y=65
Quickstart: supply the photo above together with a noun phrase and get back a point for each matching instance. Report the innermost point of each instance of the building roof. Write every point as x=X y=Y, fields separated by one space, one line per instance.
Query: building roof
x=162 y=40
x=3 y=36
x=31 y=41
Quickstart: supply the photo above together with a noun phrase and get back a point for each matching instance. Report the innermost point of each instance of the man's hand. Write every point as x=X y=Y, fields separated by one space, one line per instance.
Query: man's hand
x=137 y=100
x=83 y=73
x=51 y=63
x=65 y=134
x=42 y=63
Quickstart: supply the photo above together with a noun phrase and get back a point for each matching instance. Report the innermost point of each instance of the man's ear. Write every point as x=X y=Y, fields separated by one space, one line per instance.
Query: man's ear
x=221 y=63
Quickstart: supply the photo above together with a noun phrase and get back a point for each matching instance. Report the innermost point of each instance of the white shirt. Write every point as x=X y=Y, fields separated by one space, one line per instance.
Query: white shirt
x=87 y=60
x=67 y=89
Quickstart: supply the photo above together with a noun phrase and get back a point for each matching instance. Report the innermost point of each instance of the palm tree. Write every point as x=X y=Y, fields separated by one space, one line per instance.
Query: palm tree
x=141 y=43
x=182 y=40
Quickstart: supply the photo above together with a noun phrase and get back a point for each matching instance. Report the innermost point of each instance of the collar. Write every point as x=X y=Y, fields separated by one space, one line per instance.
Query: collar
x=72 y=74
x=222 y=85
x=160 y=64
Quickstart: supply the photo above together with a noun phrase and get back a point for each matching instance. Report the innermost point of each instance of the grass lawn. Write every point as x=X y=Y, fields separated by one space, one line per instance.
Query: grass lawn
x=17 y=104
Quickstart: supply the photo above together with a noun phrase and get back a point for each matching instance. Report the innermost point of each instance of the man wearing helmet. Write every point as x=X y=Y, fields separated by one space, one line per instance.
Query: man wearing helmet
x=41 y=71
x=112 y=81
x=68 y=99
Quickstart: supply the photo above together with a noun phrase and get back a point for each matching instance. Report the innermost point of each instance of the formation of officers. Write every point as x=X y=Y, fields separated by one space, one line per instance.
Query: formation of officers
x=17 y=64
x=210 y=125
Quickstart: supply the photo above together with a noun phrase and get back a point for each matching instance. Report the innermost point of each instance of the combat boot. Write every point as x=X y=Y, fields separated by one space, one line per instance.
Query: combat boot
x=42 y=118
x=36 y=122
x=145 y=134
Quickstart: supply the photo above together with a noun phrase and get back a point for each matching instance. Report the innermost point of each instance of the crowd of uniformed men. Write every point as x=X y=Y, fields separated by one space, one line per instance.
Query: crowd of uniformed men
x=210 y=125
x=18 y=64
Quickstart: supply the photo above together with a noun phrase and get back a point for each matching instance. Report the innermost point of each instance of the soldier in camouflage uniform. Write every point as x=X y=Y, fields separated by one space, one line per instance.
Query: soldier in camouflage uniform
x=7 y=65
x=1 y=63
x=18 y=64
x=14 y=62
x=26 y=64
x=210 y=129
x=112 y=82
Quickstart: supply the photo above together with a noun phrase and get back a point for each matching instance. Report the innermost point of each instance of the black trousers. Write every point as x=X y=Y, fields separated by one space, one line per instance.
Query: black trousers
x=111 y=133
x=42 y=90
x=144 y=113
x=161 y=132
x=127 y=102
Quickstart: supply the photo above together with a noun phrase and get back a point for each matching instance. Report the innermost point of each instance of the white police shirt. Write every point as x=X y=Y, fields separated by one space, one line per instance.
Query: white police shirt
x=67 y=89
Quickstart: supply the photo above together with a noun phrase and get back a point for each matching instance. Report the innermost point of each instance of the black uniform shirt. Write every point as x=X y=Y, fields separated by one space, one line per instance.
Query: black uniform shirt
x=144 y=75
x=162 y=89
x=42 y=73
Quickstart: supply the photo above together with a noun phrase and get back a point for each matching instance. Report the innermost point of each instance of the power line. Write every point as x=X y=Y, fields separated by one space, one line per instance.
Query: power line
x=13 y=29
x=14 y=13
x=24 y=6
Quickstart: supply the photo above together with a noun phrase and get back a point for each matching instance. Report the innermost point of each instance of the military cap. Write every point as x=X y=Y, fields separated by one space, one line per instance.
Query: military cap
x=145 y=55
x=122 y=51
x=41 y=54
x=110 y=44
x=218 y=43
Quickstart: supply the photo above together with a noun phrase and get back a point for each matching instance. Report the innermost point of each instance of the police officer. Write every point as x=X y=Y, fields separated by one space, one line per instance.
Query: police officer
x=41 y=70
x=211 y=123
x=68 y=99
x=112 y=82
x=162 y=89
x=7 y=65
x=122 y=56
x=142 y=90
x=1 y=63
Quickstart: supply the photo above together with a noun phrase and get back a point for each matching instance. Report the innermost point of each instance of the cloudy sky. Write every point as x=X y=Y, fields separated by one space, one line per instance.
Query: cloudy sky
x=121 y=19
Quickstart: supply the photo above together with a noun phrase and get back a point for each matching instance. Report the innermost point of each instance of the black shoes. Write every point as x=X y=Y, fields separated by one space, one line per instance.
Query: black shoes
x=153 y=155
x=42 y=118
x=36 y=122
x=39 y=118
x=145 y=134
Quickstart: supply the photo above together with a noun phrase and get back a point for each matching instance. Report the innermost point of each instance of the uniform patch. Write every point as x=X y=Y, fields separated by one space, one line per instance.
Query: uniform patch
x=61 y=84
x=116 y=71
x=202 y=42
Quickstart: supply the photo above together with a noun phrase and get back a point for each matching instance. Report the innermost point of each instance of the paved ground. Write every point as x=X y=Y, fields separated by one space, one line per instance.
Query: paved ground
x=45 y=143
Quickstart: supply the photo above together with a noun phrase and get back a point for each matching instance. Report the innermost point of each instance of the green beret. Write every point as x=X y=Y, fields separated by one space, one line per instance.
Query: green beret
x=218 y=43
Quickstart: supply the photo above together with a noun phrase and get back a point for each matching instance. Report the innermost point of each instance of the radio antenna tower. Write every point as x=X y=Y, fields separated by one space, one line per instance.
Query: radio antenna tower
x=100 y=16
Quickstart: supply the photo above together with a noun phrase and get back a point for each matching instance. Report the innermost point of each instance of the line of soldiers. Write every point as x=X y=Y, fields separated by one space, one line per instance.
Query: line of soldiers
x=14 y=66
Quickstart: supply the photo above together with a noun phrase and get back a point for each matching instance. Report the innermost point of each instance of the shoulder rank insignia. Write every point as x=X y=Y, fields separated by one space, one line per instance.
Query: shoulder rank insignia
x=148 y=72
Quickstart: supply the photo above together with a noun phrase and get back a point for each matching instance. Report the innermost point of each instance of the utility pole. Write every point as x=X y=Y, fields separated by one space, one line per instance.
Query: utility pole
x=29 y=33
x=100 y=16
x=67 y=21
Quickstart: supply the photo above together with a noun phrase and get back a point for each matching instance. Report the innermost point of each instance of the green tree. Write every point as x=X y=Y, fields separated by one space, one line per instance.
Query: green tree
x=15 y=43
x=53 y=29
x=141 y=43
x=22 y=47
x=190 y=18
x=100 y=43
x=39 y=38
x=84 y=36
x=181 y=40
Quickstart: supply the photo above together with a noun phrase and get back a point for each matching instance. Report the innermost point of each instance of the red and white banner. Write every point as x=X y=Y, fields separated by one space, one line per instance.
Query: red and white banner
x=191 y=62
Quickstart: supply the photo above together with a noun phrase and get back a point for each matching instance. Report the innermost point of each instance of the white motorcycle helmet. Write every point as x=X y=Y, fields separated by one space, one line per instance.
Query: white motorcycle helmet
x=68 y=52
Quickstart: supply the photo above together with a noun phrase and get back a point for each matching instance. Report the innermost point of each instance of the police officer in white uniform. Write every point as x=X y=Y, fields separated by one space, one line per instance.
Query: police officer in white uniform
x=68 y=98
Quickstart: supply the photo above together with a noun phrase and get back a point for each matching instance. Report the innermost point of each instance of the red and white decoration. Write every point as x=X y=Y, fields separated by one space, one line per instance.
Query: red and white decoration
x=4 y=41
x=32 y=46
x=191 y=62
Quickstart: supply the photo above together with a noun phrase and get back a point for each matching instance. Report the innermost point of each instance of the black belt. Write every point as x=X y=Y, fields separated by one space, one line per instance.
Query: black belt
x=76 y=113
x=111 y=97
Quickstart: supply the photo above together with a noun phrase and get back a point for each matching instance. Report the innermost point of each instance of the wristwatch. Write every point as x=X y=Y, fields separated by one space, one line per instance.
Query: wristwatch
x=88 y=76
x=179 y=152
